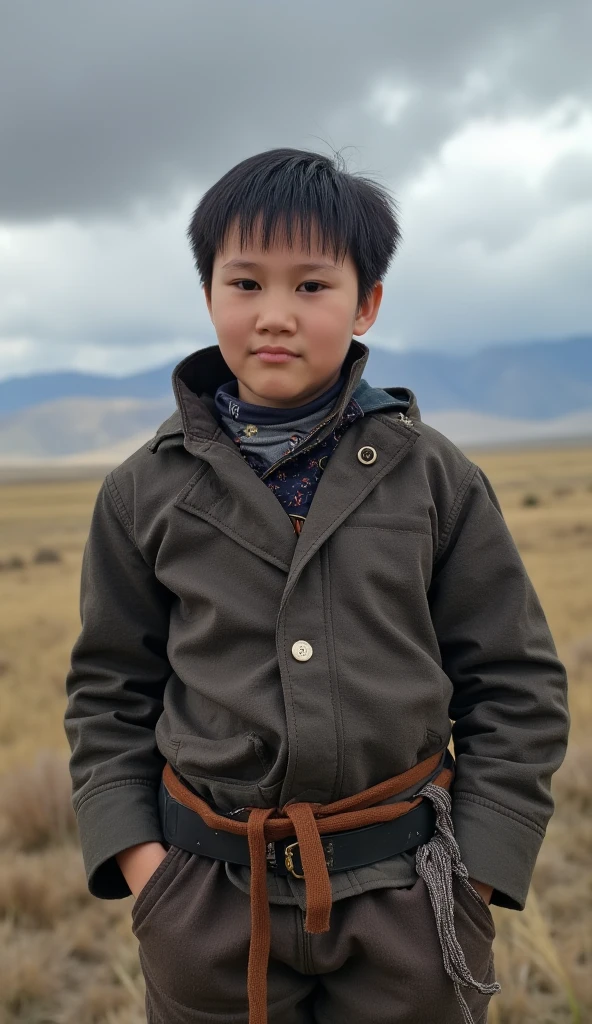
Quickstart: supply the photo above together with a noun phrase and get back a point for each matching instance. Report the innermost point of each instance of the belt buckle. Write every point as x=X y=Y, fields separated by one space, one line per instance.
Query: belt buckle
x=289 y=860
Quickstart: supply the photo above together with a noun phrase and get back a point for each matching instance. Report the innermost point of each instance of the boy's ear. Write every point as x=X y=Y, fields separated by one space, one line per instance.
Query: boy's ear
x=368 y=311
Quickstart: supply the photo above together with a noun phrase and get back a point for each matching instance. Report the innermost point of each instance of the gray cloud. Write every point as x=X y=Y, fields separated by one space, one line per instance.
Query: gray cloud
x=114 y=116
x=102 y=104
x=570 y=179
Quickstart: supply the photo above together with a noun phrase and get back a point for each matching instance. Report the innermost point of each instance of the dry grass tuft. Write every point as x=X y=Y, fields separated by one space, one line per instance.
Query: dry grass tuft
x=537 y=986
x=38 y=889
x=97 y=1004
x=36 y=806
x=67 y=958
x=12 y=562
x=531 y=500
x=30 y=969
x=544 y=954
x=46 y=555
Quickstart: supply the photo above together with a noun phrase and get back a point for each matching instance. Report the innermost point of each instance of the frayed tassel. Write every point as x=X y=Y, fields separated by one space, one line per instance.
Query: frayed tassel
x=436 y=862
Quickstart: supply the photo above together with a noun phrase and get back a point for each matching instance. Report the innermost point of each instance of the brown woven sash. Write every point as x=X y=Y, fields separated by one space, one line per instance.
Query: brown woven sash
x=309 y=821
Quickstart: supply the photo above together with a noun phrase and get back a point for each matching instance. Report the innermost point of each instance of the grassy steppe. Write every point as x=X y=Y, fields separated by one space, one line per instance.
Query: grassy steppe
x=66 y=958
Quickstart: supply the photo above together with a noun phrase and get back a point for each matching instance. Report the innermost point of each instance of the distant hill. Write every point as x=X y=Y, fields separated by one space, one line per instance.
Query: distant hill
x=510 y=394
x=474 y=430
x=18 y=393
x=528 y=380
x=71 y=425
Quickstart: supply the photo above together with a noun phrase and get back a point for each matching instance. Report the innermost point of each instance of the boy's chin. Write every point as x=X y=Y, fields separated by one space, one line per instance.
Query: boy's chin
x=273 y=390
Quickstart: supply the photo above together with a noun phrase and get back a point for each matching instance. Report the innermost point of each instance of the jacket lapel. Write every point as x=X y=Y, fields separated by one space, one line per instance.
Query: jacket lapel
x=229 y=495
x=346 y=482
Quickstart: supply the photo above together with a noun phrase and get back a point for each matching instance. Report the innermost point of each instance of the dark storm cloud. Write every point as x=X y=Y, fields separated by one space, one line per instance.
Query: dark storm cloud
x=114 y=116
x=104 y=104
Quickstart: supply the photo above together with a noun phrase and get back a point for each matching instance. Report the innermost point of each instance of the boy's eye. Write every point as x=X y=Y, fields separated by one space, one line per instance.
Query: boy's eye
x=253 y=284
x=315 y=285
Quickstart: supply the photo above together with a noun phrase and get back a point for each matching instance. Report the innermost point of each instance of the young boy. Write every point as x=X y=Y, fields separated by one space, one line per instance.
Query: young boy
x=287 y=598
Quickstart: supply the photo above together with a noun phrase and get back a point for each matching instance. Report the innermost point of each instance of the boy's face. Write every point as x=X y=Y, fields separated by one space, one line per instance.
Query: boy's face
x=278 y=302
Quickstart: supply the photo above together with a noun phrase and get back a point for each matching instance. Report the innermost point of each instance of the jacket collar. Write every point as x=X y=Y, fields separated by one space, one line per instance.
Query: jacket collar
x=226 y=493
x=196 y=379
x=371 y=399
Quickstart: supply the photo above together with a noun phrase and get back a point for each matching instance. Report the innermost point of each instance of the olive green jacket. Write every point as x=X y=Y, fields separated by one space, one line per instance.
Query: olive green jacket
x=406 y=586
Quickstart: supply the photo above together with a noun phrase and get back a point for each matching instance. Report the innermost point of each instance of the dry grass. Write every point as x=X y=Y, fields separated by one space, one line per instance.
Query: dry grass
x=66 y=958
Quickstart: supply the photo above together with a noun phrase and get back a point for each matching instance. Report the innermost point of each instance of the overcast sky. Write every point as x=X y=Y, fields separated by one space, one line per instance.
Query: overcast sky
x=116 y=116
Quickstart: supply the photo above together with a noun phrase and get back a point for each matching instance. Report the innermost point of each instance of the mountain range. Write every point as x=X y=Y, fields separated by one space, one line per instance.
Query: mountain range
x=504 y=394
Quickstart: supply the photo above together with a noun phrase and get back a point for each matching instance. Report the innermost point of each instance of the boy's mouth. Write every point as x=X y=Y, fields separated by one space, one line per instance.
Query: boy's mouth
x=269 y=354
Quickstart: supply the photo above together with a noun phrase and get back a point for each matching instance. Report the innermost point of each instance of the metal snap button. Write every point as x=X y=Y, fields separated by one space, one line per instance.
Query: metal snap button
x=367 y=455
x=302 y=650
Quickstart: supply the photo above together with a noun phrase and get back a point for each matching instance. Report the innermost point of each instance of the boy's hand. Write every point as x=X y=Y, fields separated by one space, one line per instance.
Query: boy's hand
x=139 y=862
x=484 y=891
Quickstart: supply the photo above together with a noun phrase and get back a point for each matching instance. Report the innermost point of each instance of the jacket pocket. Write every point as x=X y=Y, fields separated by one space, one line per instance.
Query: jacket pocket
x=242 y=759
x=228 y=771
x=394 y=521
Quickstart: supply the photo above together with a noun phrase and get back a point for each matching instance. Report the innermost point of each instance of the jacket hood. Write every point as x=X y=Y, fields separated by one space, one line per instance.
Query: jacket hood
x=197 y=377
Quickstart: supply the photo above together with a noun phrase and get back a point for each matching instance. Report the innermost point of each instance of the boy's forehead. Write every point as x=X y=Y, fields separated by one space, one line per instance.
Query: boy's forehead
x=279 y=249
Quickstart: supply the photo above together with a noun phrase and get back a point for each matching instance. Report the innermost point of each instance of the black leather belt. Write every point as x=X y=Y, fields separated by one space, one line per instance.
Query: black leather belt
x=343 y=850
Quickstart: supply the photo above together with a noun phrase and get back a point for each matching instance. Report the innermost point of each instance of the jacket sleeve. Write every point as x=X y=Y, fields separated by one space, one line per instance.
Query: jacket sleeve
x=115 y=688
x=509 y=702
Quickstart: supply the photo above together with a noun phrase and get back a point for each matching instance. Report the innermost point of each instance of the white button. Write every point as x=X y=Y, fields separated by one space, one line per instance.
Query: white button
x=302 y=650
x=367 y=455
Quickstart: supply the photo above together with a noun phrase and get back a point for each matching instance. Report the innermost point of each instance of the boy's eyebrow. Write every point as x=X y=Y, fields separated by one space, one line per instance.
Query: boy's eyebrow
x=250 y=265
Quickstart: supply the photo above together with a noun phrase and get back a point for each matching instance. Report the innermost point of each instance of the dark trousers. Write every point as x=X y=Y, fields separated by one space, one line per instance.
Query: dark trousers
x=380 y=963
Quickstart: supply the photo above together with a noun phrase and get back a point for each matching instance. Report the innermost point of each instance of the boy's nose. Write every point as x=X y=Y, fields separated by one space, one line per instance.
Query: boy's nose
x=276 y=318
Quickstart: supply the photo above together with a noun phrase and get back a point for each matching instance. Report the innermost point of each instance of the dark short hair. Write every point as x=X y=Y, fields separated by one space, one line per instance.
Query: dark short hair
x=288 y=187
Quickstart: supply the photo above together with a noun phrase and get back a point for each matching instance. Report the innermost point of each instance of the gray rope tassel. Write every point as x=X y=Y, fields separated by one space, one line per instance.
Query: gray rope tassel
x=436 y=861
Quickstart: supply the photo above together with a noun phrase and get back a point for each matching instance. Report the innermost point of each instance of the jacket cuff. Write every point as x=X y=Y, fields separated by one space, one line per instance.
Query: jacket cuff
x=497 y=847
x=110 y=820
